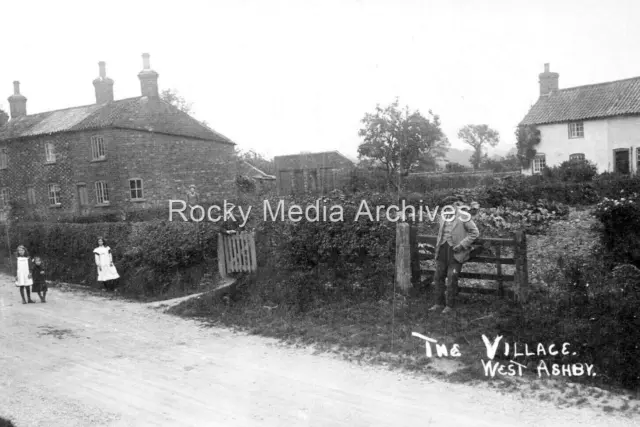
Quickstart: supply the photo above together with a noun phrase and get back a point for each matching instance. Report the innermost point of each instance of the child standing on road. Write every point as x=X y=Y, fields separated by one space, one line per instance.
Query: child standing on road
x=23 y=274
x=39 y=282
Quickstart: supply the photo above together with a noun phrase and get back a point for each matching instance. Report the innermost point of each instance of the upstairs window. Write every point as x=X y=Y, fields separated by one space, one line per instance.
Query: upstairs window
x=576 y=130
x=539 y=163
x=102 y=193
x=50 y=152
x=97 y=148
x=31 y=195
x=54 y=195
x=576 y=157
x=3 y=158
x=135 y=188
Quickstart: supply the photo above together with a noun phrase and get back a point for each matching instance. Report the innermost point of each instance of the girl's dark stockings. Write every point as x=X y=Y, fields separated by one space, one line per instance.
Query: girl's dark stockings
x=29 y=300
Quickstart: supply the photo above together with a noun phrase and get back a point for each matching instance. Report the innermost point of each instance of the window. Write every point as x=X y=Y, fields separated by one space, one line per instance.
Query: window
x=102 y=193
x=97 y=148
x=539 y=163
x=576 y=130
x=50 y=152
x=31 y=195
x=135 y=188
x=4 y=198
x=637 y=159
x=83 y=197
x=576 y=157
x=3 y=158
x=54 y=195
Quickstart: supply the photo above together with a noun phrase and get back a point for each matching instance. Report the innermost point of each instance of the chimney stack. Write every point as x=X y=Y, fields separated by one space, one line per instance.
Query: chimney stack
x=103 y=85
x=148 y=78
x=548 y=81
x=17 y=102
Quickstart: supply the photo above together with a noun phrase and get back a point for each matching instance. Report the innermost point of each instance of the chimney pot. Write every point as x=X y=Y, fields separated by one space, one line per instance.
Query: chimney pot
x=546 y=67
x=145 y=61
x=103 y=85
x=103 y=69
x=148 y=79
x=17 y=102
x=16 y=88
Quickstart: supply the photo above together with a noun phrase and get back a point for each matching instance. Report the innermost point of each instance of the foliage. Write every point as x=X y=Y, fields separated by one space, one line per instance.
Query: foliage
x=455 y=167
x=174 y=98
x=478 y=137
x=518 y=215
x=620 y=218
x=4 y=117
x=258 y=160
x=578 y=171
x=401 y=139
x=502 y=164
x=244 y=184
x=527 y=137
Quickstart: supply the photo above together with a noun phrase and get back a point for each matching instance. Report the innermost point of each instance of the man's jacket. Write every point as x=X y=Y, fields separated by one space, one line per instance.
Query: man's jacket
x=463 y=234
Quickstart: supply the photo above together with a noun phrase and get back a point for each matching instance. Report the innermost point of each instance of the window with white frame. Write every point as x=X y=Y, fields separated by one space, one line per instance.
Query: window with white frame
x=576 y=130
x=135 y=188
x=50 y=152
x=31 y=195
x=4 y=198
x=4 y=158
x=102 y=193
x=576 y=157
x=54 y=195
x=97 y=148
x=539 y=163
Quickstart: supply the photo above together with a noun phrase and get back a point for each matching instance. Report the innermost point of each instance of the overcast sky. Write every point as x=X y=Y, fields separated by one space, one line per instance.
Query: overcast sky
x=282 y=77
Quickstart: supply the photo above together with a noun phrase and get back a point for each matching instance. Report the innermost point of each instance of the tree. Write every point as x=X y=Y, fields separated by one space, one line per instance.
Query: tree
x=510 y=162
x=478 y=137
x=258 y=160
x=173 y=97
x=4 y=117
x=401 y=140
x=527 y=137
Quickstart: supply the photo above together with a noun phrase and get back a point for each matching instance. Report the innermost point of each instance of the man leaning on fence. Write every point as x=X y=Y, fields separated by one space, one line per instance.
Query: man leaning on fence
x=453 y=248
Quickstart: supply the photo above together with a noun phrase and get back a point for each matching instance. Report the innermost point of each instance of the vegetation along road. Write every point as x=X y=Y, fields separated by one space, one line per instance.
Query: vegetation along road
x=85 y=360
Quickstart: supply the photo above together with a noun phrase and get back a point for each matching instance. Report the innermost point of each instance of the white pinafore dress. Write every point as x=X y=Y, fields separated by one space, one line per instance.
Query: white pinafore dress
x=22 y=275
x=106 y=271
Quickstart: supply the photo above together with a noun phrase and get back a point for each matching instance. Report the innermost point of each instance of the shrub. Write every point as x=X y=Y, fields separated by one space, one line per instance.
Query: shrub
x=577 y=171
x=621 y=227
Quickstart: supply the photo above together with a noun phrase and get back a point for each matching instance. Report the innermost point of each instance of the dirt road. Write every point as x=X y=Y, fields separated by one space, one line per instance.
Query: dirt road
x=82 y=360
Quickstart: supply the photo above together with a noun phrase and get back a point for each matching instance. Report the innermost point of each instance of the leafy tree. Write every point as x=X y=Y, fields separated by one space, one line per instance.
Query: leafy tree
x=478 y=137
x=527 y=137
x=4 y=117
x=258 y=160
x=455 y=167
x=174 y=98
x=402 y=140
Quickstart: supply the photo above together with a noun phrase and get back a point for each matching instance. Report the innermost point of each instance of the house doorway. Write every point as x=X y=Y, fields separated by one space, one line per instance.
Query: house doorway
x=621 y=161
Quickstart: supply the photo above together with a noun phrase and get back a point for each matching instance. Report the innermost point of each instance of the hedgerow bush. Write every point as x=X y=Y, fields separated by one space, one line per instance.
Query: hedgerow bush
x=620 y=218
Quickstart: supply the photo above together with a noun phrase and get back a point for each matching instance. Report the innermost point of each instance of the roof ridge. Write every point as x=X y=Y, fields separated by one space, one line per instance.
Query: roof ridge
x=82 y=106
x=598 y=84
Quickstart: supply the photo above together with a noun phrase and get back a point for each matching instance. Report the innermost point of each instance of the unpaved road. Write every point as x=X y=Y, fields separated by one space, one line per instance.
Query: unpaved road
x=82 y=360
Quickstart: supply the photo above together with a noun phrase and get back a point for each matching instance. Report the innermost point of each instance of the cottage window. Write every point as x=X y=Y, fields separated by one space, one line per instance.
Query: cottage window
x=50 y=152
x=83 y=197
x=102 y=193
x=539 y=163
x=4 y=198
x=576 y=130
x=54 y=195
x=3 y=158
x=135 y=188
x=31 y=195
x=97 y=148
x=576 y=157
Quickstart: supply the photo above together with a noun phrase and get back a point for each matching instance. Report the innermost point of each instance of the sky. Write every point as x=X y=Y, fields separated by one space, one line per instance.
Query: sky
x=281 y=77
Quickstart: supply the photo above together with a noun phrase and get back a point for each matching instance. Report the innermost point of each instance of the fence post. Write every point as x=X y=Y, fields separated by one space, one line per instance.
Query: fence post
x=403 y=256
x=521 y=274
x=221 y=257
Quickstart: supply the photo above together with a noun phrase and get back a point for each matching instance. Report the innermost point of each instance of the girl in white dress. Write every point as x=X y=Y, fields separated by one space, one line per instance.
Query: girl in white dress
x=106 y=270
x=23 y=274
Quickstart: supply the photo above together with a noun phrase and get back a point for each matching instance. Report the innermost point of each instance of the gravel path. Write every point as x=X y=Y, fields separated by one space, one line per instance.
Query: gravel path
x=82 y=360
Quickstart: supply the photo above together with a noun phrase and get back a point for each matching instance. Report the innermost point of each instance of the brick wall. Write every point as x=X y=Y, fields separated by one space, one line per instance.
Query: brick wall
x=166 y=164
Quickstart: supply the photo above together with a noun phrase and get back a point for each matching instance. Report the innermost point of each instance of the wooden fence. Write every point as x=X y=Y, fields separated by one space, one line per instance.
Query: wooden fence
x=411 y=248
x=237 y=253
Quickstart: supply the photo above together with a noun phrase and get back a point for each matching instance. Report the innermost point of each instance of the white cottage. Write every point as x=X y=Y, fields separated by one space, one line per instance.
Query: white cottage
x=598 y=122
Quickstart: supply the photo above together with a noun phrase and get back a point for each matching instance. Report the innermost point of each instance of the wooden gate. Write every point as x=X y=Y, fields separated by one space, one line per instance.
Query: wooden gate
x=237 y=253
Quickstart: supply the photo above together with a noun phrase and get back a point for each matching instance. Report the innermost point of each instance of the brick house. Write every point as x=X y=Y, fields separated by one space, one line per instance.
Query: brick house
x=111 y=156
x=597 y=122
x=310 y=172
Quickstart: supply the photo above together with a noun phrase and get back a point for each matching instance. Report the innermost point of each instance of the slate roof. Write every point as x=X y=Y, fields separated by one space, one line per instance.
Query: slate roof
x=140 y=113
x=319 y=157
x=617 y=98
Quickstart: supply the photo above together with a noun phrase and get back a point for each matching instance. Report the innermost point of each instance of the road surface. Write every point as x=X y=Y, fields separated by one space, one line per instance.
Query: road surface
x=83 y=360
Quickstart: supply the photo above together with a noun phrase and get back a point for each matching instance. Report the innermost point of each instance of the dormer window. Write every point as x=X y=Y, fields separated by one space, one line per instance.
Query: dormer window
x=576 y=130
